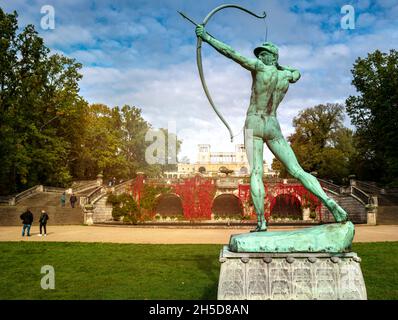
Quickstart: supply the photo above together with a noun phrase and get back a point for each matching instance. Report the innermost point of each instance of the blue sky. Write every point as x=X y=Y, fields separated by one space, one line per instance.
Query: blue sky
x=142 y=53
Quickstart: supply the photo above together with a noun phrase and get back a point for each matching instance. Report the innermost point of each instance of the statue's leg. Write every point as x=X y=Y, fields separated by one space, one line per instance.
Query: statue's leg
x=254 y=149
x=282 y=151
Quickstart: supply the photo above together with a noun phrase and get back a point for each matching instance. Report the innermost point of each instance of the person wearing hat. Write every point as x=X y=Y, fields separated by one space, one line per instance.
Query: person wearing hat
x=270 y=84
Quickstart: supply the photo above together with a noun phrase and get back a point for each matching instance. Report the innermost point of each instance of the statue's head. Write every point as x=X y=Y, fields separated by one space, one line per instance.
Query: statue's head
x=267 y=53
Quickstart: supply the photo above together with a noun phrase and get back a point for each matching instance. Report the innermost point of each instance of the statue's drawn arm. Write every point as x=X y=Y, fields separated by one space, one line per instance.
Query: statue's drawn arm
x=292 y=74
x=229 y=52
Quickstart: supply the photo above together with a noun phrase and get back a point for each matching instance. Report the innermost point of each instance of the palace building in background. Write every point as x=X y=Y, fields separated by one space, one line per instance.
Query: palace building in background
x=212 y=164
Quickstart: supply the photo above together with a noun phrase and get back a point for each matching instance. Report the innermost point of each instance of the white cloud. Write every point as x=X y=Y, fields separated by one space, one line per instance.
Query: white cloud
x=136 y=55
x=365 y=20
x=64 y=36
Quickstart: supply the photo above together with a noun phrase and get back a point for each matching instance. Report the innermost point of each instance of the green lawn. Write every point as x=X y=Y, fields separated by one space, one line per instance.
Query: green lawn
x=131 y=271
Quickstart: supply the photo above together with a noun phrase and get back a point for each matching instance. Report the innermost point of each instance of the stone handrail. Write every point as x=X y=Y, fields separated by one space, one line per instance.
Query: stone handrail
x=6 y=199
x=24 y=194
x=94 y=194
x=85 y=187
x=14 y=200
x=123 y=184
x=97 y=194
x=366 y=187
x=359 y=194
x=334 y=188
x=53 y=189
x=79 y=183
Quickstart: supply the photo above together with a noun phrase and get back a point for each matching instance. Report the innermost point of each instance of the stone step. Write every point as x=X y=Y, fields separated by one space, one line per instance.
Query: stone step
x=355 y=209
x=48 y=201
x=10 y=216
x=102 y=211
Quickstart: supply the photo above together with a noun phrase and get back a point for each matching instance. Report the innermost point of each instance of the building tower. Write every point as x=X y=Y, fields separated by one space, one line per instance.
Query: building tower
x=204 y=153
x=240 y=153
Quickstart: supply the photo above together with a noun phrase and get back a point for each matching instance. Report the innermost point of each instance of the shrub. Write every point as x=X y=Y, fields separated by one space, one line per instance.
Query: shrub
x=124 y=206
x=118 y=212
x=113 y=199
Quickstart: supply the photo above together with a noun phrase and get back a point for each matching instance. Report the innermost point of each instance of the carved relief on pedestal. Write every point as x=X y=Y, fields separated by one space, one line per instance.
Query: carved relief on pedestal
x=303 y=276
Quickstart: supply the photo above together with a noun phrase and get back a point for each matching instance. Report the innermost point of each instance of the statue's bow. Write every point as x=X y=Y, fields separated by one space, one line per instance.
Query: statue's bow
x=199 y=55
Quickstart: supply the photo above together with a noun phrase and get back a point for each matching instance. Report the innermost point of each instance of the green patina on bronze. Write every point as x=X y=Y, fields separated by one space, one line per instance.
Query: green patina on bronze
x=328 y=238
x=270 y=84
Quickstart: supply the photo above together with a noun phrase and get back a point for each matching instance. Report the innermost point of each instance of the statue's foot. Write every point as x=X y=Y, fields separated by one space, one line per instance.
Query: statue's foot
x=338 y=212
x=261 y=226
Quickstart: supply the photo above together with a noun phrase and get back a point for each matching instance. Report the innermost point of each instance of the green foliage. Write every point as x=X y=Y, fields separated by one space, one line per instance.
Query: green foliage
x=40 y=109
x=149 y=195
x=171 y=140
x=374 y=112
x=48 y=133
x=113 y=199
x=124 y=206
x=321 y=143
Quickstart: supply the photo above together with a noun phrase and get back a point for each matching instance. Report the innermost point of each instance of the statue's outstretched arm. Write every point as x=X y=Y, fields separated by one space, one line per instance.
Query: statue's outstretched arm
x=229 y=52
x=293 y=74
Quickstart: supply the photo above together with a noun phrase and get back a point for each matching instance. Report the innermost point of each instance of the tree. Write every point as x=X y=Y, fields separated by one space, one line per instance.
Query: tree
x=133 y=130
x=48 y=133
x=321 y=142
x=374 y=112
x=171 y=155
x=114 y=144
x=39 y=109
x=99 y=149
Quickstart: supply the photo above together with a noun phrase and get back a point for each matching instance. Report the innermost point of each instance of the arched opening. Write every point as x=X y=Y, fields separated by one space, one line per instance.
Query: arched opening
x=169 y=205
x=202 y=170
x=286 y=205
x=227 y=205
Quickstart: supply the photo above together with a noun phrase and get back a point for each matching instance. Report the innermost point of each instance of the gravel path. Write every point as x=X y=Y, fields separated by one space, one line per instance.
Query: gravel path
x=168 y=235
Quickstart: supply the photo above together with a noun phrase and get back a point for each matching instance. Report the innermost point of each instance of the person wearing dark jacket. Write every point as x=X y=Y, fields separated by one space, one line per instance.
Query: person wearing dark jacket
x=27 y=219
x=73 y=200
x=43 y=222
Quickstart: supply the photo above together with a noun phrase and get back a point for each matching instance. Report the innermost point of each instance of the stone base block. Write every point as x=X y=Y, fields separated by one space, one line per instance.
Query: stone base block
x=290 y=276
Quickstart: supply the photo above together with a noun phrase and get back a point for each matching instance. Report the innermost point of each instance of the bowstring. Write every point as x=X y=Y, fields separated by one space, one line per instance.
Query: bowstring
x=241 y=130
x=266 y=30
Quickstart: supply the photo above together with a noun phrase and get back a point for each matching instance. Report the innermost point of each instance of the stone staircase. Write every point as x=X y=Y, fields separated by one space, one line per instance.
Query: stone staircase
x=356 y=210
x=102 y=211
x=9 y=215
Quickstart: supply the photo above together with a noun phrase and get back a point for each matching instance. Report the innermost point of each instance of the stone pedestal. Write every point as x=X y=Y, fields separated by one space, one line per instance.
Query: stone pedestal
x=371 y=219
x=88 y=217
x=290 y=276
